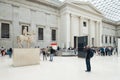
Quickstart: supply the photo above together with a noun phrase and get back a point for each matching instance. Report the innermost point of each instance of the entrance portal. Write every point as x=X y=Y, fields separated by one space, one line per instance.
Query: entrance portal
x=80 y=43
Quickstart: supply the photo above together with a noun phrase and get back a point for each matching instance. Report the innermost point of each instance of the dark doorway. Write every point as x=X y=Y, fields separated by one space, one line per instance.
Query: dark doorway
x=82 y=42
x=93 y=42
x=75 y=42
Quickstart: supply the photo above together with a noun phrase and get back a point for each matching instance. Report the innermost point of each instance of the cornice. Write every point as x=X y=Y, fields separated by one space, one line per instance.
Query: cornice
x=32 y=7
x=118 y=23
x=115 y=23
x=50 y=3
x=88 y=4
x=79 y=8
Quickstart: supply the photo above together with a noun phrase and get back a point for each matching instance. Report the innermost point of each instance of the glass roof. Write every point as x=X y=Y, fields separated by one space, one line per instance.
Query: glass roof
x=109 y=8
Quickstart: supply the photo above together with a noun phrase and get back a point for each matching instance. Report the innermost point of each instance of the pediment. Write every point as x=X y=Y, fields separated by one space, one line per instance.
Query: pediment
x=87 y=6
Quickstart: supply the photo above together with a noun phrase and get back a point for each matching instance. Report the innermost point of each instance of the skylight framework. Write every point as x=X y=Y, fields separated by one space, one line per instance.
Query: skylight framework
x=109 y=8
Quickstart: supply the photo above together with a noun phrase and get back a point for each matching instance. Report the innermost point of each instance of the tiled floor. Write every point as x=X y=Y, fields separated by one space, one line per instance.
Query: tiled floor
x=63 y=68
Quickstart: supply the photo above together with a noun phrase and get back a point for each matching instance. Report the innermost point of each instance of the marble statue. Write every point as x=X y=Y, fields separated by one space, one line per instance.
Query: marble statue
x=27 y=37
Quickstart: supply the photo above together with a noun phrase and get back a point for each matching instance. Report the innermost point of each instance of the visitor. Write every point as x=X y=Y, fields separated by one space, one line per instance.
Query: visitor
x=88 y=66
x=9 y=52
x=52 y=51
x=3 y=51
x=44 y=54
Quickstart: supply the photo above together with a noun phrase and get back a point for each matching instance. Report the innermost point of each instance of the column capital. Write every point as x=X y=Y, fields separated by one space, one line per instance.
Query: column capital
x=81 y=17
x=17 y=6
x=67 y=13
x=72 y=15
x=92 y=20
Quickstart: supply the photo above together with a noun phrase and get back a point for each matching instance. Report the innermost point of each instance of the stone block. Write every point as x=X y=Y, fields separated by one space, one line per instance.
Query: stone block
x=26 y=56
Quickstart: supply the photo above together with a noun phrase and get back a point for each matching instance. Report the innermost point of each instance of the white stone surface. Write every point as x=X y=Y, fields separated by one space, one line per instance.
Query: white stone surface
x=5 y=11
x=74 y=28
x=18 y=13
x=74 y=25
x=108 y=30
x=63 y=68
x=118 y=31
x=26 y=56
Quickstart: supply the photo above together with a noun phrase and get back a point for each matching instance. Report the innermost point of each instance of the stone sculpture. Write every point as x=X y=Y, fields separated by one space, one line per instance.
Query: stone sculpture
x=27 y=37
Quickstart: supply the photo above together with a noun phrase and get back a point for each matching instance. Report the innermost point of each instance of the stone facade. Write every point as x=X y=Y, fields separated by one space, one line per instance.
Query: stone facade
x=21 y=13
x=66 y=18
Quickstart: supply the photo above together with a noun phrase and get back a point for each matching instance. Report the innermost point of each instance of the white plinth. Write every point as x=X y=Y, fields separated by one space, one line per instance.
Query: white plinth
x=26 y=56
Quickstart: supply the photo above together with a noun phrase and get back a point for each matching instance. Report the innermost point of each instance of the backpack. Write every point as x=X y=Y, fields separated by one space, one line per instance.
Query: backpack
x=91 y=53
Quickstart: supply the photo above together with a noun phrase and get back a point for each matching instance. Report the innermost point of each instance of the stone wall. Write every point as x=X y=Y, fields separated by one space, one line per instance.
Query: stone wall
x=109 y=30
x=19 y=13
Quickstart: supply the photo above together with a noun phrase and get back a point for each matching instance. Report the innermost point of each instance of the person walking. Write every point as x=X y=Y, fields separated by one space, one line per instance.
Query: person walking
x=87 y=59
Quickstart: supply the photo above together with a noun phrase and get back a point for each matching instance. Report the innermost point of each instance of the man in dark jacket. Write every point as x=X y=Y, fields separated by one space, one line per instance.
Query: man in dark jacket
x=52 y=51
x=88 y=66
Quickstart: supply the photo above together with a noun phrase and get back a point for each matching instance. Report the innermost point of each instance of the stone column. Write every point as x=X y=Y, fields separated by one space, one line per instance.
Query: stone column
x=100 y=34
x=108 y=40
x=34 y=28
x=15 y=29
x=81 y=26
x=74 y=28
x=89 y=32
x=58 y=31
x=103 y=39
x=71 y=34
x=48 y=29
x=67 y=30
x=96 y=35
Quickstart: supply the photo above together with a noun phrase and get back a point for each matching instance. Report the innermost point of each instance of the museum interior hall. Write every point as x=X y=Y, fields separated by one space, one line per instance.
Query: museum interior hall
x=59 y=39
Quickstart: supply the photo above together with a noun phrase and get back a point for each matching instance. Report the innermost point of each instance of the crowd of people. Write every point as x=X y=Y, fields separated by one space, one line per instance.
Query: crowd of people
x=106 y=51
x=49 y=51
x=4 y=51
x=102 y=51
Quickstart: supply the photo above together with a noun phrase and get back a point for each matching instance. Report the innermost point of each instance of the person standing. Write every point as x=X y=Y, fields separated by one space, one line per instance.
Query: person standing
x=87 y=59
x=9 y=52
x=3 y=51
x=44 y=54
x=52 y=51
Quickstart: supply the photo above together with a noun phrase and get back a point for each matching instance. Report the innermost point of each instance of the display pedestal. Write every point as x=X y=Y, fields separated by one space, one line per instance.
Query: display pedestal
x=26 y=56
